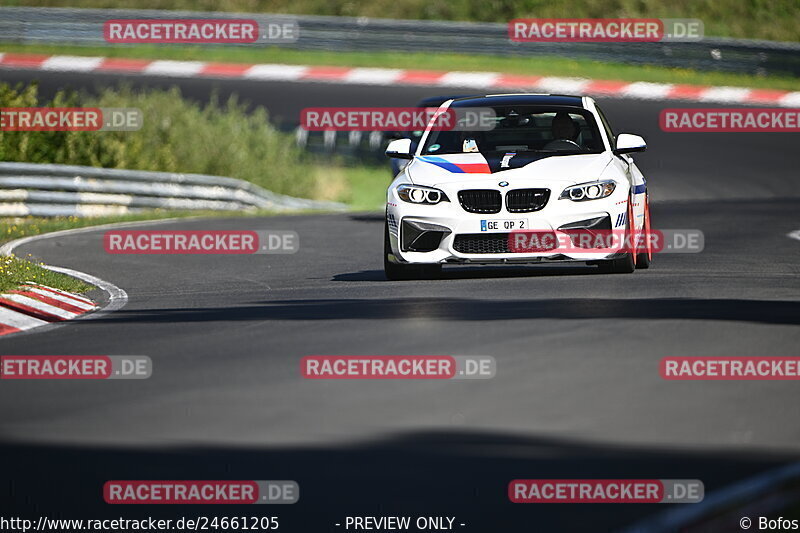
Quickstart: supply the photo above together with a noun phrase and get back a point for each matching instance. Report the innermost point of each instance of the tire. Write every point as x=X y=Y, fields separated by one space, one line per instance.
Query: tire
x=401 y=272
x=644 y=259
x=627 y=263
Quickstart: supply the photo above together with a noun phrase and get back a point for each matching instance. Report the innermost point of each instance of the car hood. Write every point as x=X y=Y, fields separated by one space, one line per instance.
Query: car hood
x=471 y=167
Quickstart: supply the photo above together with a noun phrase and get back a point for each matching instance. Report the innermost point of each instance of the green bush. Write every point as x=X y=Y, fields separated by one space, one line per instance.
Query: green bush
x=221 y=138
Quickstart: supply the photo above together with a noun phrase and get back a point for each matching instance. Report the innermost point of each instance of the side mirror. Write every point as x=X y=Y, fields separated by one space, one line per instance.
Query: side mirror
x=627 y=143
x=400 y=149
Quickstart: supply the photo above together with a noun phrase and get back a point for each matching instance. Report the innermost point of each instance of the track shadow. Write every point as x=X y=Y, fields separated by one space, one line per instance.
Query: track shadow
x=467 y=309
x=368 y=217
x=465 y=475
x=481 y=272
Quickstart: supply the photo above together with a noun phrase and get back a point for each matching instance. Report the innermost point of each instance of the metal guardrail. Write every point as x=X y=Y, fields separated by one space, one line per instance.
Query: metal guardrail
x=355 y=146
x=64 y=190
x=84 y=26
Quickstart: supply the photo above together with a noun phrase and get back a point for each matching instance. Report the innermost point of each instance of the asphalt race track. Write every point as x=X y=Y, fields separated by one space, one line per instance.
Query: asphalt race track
x=577 y=392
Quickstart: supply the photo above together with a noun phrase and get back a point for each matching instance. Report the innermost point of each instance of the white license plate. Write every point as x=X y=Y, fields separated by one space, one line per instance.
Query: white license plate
x=503 y=225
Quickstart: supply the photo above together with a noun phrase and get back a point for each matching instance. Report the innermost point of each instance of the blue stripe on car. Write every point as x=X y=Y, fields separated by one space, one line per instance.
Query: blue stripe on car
x=443 y=163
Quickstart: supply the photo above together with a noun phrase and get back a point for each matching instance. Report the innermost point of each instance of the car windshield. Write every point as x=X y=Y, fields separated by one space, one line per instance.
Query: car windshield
x=553 y=130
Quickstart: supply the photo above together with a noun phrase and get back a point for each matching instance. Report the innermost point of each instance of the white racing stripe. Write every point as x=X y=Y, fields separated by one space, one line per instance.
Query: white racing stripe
x=61 y=298
x=72 y=63
x=19 y=320
x=39 y=306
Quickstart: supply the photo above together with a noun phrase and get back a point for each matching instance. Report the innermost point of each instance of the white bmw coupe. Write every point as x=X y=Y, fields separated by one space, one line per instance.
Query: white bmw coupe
x=536 y=186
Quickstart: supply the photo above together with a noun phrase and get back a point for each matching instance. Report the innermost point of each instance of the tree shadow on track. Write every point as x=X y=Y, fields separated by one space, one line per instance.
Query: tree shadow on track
x=480 y=272
x=466 y=309
x=435 y=473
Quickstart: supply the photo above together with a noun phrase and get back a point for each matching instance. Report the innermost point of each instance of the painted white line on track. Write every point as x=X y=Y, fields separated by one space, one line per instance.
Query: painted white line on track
x=117 y=297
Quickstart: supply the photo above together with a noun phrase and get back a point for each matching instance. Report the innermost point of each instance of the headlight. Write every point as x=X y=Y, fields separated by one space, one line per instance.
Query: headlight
x=588 y=191
x=417 y=194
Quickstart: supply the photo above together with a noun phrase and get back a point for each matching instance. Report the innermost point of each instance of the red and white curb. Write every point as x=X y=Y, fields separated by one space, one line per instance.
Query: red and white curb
x=33 y=305
x=381 y=76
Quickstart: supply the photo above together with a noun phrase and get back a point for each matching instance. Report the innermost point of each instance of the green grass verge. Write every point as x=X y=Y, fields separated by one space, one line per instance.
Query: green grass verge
x=756 y=19
x=16 y=228
x=14 y=271
x=536 y=66
x=366 y=186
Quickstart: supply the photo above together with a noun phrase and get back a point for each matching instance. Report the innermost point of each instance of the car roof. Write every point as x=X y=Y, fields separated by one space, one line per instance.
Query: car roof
x=436 y=101
x=520 y=99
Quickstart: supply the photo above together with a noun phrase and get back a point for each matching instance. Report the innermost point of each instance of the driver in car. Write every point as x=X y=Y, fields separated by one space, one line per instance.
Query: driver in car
x=563 y=127
x=565 y=133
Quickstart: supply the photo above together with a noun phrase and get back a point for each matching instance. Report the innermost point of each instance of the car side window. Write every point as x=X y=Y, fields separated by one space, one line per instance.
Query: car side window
x=611 y=138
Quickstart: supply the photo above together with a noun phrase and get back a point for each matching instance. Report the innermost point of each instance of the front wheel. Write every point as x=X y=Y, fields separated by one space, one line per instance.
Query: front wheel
x=400 y=271
x=644 y=259
x=627 y=263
